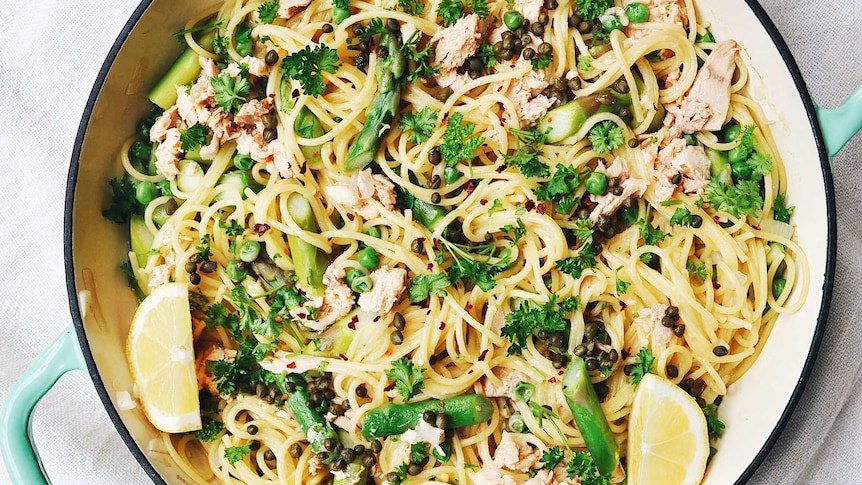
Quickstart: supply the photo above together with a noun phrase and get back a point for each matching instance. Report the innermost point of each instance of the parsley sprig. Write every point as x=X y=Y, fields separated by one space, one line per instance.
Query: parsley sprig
x=408 y=379
x=561 y=188
x=780 y=210
x=741 y=199
x=423 y=286
x=522 y=322
x=193 y=137
x=606 y=137
x=576 y=265
x=308 y=65
x=642 y=366
x=268 y=11
x=231 y=92
x=420 y=57
x=459 y=142
x=419 y=124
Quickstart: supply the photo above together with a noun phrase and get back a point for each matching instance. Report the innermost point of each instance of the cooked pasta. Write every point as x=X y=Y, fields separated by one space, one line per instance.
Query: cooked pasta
x=563 y=194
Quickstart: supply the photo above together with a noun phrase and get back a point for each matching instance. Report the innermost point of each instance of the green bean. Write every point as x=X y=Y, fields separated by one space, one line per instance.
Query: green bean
x=391 y=419
x=308 y=126
x=591 y=420
x=719 y=168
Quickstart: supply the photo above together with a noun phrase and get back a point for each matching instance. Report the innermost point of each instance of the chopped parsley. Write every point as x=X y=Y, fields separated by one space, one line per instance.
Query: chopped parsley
x=590 y=10
x=468 y=269
x=268 y=11
x=530 y=137
x=129 y=273
x=585 y=62
x=423 y=286
x=518 y=231
x=420 y=57
x=204 y=249
x=552 y=457
x=529 y=318
x=642 y=366
x=747 y=142
x=193 y=137
x=495 y=206
x=582 y=466
x=606 y=137
x=622 y=286
x=524 y=391
x=220 y=44
x=230 y=92
x=210 y=431
x=419 y=124
x=236 y=453
x=124 y=204
x=740 y=199
x=409 y=380
x=527 y=161
x=450 y=11
x=650 y=235
x=714 y=426
x=760 y=164
x=561 y=189
x=418 y=451
x=681 y=217
x=308 y=65
x=697 y=269
x=486 y=53
x=576 y=265
x=780 y=211
x=413 y=7
x=480 y=8
x=540 y=62
x=459 y=143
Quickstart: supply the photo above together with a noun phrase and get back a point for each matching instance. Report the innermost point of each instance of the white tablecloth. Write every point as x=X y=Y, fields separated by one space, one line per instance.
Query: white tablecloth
x=50 y=53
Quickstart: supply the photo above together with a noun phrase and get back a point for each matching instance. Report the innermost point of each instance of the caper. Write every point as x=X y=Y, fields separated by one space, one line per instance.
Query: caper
x=295 y=450
x=429 y=417
x=190 y=267
x=537 y=29
x=591 y=330
x=194 y=279
x=269 y=134
x=327 y=28
x=209 y=267
x=393 y=26
x=416 y=246
x=696 y=221
x=574 y=83
x=443 y=421
x=369 y=461
x=435 y=157
x=543 y=18
x=626 y=114
x=592 y=364
x=676 y=179
x=585 y=27
x=526 y=39
x=361 y=60
x=622 y=86
x=376 y=446
x=508 y=36
x=271 y=57
x=672 y=371
x=580 y=351
x=414 y=469
x=348 y=455
x=329 y=444
x=528 y=53
x=508 y=43
x=171 y=206
x=442 y=96
x=397 y=337
x=551 y=4
x=498 y=48
x=679 y=330
x=545 y=49
x=720 y=351
x=270 y=120
x=436 y=198
x=268 y=455
x=606 y=98
x=382 y=52
x=507 y=55
x=475 y=63
x=398 y=321
x=633 y=143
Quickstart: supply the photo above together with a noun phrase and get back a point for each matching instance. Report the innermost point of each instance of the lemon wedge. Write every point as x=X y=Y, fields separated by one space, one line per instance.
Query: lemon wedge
x=162 y=359
x=668 y=442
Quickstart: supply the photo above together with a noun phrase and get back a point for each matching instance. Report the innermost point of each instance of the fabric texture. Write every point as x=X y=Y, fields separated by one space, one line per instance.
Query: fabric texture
x=50 y=54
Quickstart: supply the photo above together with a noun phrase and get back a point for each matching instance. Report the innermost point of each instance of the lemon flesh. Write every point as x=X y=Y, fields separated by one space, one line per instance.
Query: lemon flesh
x=162 y=361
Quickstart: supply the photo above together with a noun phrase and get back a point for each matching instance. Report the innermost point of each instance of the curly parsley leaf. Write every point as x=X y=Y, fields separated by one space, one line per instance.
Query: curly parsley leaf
x=760 y=164
x=423 y=286
x=530 y=137
x=714 y=426
x=697 y=269
x=590 y=10
x=419 y=124
x=418 y=451
x=650 y=235
x=124 y=203
x=780 y=211
x=561 y=189
x=606 y=137
x=517 y=231
x=236 y=453
x=268 y=11
x=540 y=62
x=486 y=53
x=582 y=466
x=459 y=143
x=308 y=65
x=621 y=286
x=220 y=44
x=585 y=62
x=528 y=162
x=576 y=265
x=529 y=318
x=129 y=273
x=741 y=199
x=450 y=11
x=230 y=92
x=552 y=457
x=193 y=137
x=681 y=217
x=480 y=273
x=480 y=8
x=409 y=380
x=242 y=40
x=747 y=142
x=642 y=366
x=420 y=57
x=413 y=7
x=210 y=431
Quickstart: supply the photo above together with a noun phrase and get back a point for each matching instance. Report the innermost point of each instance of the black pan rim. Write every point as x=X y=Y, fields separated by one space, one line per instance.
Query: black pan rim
x=831 y=243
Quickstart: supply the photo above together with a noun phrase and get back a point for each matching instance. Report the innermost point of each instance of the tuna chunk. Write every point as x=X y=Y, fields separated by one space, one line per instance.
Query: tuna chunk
x=706 y=105
x=490 y=475
x=530 y=9
x=457 y=43
x=368 y=193
x=525 y=93
x=648 y=325
x=168 y=153
x=632 y=187
x=288 y=8
x=169 y=119
x=388 y=284
x=515 y=453
x=506 y=388
x=689 y=161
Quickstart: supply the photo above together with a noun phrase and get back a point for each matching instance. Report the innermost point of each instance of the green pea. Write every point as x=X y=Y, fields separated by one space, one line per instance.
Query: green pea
x=145 y=192
x=236 y=270
x=165 y=187
x=778 y=285
x=451 y=175
x=611 y=23
x=512 y=19
x=353 y=274
x=340 y=14
x=630 y=215
x=736 y=155
x=361 y=284
x=731 y=133
x=368 y=258
x=139 y=153
x=596 y=183
x=374 y=231
x=637 y=12
x=516 y=423
x=242 y=162
x=741 y=171
x=249 y=251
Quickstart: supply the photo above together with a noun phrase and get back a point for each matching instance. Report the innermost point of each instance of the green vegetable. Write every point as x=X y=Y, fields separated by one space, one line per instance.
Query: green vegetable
x=340 y=11
x=741 y=170
x=582 y=466
x=423 y=286
x=160 y=215
x=236 y=453
x=527 y=161
x=308 y=65
x=459 y=143
x=308 y=126
x=451 y=175
x=361 y=284
x=606 y=137
x=590 y=10
x=450 y=11
x=210 y=431
x=596 y=183
x=705 y=38
x=309 y=261
x=637 y=12
x=741 y=199
x=249 y=251
x=419 y=59
x=392 y=419
x=145 y=192
x=268 y=11
x=778 y=285
x=425 y=213
x=420 y=124
x=315 y=426
x=231 y=92
x=780 y=211
x=714 y=426
x=190 y=176
x=185 y=70
x=760 y=164
x=141 y=239
x=413 y=7
x=235 y=179
x=390 y=76
x=236 y=270
x=650 y=235
x=124 y=202
x=611 y=23
x=740 y=153
x=681 y=217
x=561 y=189
x=732 y=132
x=719 y=167
x=193 y=137
x=408 y=380
x=582 y=400
x=516 y=423
x=522 y=322
x=552 y=457
x=446 y=455
x=368 y=258
x=139 y=155
x=354 y=474
x=576 y=265
x=242 y=162
x=513 y=19
x=242 y=40
x=642 y=366
x=374 y=231
x=563 y=122
x=697 y=269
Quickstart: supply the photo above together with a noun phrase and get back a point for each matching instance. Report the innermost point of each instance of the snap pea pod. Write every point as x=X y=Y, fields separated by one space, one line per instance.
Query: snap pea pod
x=563 y=122
x=391 y=419
x=384 y=106
x=308 y=126
x=719 y=166
x=315 y=426
x=309 y=261
x=185 y=70
x=582 y=400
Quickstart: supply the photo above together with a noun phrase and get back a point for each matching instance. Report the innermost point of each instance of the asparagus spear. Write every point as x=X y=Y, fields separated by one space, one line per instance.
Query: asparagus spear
x=720 y=166
x=391 y=419
x=308 y=126
x=425 y=213
x=563 y=122
x=378 y=115
x=309 y=261
x=315 y=426
x=184 y=70
x=582 y=400
x=354 y=474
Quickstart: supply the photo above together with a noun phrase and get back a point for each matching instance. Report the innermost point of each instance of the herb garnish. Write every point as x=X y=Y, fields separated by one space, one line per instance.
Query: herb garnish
x=409 y=380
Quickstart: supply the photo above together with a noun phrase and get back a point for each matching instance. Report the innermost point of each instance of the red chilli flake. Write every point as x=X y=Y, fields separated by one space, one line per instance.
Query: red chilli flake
x=483 y=201
x=502 y=168
x=470 y=371
x=260 y=229
x=430 y=266
x=483 y=355
x=468 y=307
x=552 y=380
x=442 y=325
x=342 y=356
x=351 y=325
x=441 y=404
x=541 y=208
x=392 y=386
x=377 y=319
x=291 y=365
x=470 y=186
x=303 y=167
x=530 y=205
x=351 y=216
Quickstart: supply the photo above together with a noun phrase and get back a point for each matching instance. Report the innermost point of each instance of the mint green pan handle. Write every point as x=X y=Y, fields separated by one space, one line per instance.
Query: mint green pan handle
x=22 y=463
x=839 y=125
